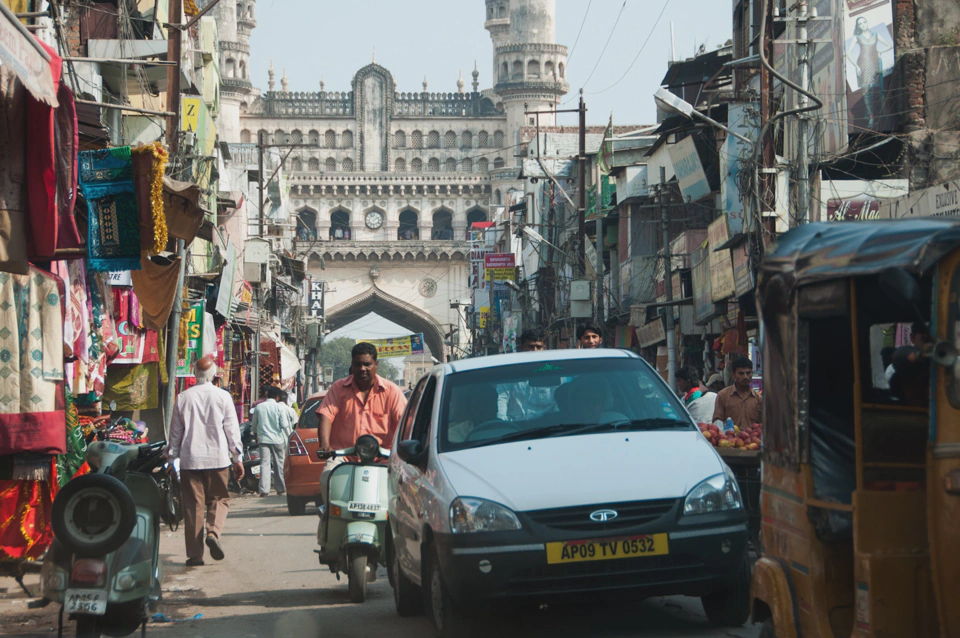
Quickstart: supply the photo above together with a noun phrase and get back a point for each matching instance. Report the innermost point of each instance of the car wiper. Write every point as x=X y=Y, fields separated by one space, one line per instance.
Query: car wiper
x=536 y=433
x=656 y=423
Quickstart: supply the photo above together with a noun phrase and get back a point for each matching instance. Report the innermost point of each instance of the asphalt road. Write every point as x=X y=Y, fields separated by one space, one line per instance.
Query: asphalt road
x=270 y=584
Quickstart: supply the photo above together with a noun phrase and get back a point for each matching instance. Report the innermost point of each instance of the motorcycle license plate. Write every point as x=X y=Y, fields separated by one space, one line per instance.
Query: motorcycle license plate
x=255 y=470
x=363 y=507
x=607 y=549
x=86 y=601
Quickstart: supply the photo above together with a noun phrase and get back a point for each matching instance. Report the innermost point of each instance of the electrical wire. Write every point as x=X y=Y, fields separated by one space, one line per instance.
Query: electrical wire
x=605 y=45
x=582 y=22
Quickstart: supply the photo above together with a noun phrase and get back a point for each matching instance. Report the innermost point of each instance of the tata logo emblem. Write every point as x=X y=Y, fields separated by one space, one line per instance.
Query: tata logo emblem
x=603 y=516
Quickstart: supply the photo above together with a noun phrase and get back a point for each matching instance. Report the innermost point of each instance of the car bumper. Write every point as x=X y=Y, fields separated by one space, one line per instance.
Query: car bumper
x=701 y=559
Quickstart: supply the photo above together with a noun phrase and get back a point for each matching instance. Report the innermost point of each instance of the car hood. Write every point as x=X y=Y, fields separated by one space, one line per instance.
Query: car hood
x=583 y=470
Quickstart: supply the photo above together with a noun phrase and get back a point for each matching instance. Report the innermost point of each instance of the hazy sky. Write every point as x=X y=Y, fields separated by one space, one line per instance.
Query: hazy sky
x=438 y=38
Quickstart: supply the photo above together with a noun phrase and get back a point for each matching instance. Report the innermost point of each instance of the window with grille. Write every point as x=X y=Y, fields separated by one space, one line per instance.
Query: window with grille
x=347 y=165
x=417 y=139
x=451 y=165
x=433 y=165
x=498 y=163
x=450 y=140
x=484 y=165
x=279 y=137
x=416 y=165
x=467 y=165
x=315 y=137
x=244 y=136
x=314 y=164
x=399 y=139
x=296 y=137
x=347 y=139
x=483 y=139
x=467 y=139
x=433 y=139
x=498 y=139
x=330 y=139
x=296 y=165
x=400 y=165
x=330 y=165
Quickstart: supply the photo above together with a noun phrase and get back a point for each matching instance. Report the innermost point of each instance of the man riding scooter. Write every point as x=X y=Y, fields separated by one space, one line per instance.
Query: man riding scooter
x=363 y=403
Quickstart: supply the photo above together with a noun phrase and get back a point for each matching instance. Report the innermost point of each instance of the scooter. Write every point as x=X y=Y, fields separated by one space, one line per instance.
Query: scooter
x=103 y=565
x=357 y=515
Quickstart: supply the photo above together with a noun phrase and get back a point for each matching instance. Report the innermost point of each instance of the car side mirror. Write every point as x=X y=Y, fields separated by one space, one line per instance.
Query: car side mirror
x=410 y=451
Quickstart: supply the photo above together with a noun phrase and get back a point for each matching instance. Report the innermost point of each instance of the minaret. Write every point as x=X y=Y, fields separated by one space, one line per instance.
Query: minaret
x=529 y=66
x=235 y=22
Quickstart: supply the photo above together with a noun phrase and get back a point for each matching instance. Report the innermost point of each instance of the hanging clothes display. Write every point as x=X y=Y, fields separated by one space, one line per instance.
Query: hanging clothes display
x=31 y=364
x=25 y=531
x=13 y=215
x=156 y=287
x=132 y=387
x=113 y=224
x=149 y=165
x=67 y=139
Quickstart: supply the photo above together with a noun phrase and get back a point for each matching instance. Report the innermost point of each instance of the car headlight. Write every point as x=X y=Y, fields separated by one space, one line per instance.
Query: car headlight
x=469 y=515
x=716 y=494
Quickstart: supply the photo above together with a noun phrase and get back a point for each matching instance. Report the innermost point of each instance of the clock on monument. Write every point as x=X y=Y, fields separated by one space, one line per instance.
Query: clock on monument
x=374 y=220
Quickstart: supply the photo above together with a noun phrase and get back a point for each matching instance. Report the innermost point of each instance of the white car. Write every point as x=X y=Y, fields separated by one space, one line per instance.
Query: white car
x=561 y=475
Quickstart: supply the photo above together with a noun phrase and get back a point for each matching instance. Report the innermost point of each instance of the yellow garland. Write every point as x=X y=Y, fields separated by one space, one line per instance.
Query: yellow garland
x=156 y=193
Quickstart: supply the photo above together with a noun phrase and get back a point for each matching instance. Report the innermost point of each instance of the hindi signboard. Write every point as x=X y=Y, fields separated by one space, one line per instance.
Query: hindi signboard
x=722 y=282
x=397 y=346
x=742 y=273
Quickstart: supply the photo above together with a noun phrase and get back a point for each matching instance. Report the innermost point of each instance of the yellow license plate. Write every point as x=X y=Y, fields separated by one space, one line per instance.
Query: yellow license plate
x=607 y=549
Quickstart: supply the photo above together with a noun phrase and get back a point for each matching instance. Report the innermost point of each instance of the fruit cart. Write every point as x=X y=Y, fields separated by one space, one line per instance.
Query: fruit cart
x=746 y=467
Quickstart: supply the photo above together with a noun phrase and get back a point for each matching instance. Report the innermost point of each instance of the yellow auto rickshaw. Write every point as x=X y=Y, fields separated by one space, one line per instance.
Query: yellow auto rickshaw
x=861 y=445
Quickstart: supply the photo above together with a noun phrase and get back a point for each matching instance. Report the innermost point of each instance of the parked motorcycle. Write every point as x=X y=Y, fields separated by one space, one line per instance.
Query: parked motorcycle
x=103 y=565
x=357 y=516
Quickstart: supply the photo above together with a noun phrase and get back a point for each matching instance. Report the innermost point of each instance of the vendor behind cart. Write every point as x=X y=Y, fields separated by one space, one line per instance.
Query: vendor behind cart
x=739 y=402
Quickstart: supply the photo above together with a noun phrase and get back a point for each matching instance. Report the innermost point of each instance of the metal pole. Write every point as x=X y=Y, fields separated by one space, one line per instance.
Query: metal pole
x=803 y=160
x=260 y=144
x=668 y=278
x=599 y=242
x=170 y=390
x=255 y=371
x=582 y=191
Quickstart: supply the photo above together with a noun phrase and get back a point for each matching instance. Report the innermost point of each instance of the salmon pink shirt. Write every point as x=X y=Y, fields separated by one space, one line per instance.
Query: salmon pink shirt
x=351 y=417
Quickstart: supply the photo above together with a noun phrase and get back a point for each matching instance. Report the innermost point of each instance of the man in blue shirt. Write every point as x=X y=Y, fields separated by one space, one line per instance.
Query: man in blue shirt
x=272 y=424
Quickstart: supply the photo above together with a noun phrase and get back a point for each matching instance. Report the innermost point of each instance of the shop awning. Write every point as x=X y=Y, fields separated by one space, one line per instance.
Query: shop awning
x=23 y=54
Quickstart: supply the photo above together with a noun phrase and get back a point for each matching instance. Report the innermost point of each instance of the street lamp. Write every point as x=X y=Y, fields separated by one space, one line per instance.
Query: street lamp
x=671 y=103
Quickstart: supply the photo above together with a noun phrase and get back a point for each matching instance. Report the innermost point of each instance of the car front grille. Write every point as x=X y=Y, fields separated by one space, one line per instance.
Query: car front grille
x=577 y=519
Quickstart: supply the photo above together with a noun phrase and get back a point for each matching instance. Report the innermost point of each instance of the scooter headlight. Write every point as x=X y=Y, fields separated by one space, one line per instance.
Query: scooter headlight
x=367 y=448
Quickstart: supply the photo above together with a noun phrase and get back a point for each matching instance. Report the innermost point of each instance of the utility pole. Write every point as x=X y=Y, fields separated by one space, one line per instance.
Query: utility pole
x=173 y=139
x=803 y=160
x=582 y=191
x=668 y=278
x=599 y=241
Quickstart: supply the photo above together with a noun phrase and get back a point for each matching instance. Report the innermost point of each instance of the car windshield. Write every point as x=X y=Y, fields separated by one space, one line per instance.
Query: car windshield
x=556 y=398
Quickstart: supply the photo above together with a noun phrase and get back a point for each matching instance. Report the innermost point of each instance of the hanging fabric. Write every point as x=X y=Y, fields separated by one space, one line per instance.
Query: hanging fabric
x=67 y=143
x=156 y=286
x=13 y=215
x=113 y=225
x=31 y=364
x=149 y=166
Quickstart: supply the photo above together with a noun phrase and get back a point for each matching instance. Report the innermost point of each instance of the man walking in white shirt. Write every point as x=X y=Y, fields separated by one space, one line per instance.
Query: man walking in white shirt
x=204 y=433
x=272 y=423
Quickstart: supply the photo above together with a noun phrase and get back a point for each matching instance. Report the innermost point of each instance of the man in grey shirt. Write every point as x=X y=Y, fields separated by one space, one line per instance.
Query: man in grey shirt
x=272 y=423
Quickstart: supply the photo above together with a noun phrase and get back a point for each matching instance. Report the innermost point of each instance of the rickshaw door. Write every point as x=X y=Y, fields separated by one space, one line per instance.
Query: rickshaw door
x=943 y=485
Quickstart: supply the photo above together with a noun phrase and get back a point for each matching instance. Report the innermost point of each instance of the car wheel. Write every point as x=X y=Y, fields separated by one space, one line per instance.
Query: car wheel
x=768 y=630
x=88 y=627
x=730 y=606
x=449 y=621
x=358 y=576
x=407 y=597
x=93 y=515
x=296 y=506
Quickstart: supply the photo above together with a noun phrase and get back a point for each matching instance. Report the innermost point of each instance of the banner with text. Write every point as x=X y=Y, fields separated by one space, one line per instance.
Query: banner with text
x=193 y=323
x=397 y=346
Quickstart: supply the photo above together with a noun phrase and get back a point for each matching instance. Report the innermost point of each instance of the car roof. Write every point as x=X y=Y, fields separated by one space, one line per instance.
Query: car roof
x=493 y=361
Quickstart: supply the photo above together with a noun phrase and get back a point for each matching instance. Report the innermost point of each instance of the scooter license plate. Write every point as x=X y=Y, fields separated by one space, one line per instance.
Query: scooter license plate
x=354 y=506
x=255 y=470
x=86 y=601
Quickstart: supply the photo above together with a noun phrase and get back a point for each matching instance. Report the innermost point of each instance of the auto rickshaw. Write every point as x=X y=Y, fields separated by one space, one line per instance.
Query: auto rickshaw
x=861 y=457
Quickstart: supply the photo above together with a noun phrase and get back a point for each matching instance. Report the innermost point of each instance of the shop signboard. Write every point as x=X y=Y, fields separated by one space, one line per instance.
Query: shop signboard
x=315 y=302
x=194 y=341
x=742 y=273
x=120 y=278
x=227 y=278
x=689 y=170
x=500 y=266
x=722 y=282
x=743 y=119
x=703 y=306
x=652 y=333
x=397 y=346
x=483 y=316
x=870 y=58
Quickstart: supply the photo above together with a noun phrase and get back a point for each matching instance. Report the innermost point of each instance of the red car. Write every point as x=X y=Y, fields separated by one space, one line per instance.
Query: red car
x=302 y=470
